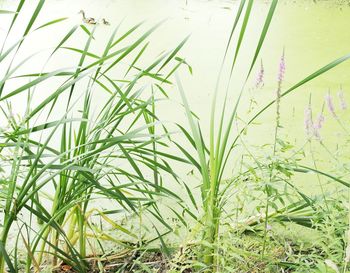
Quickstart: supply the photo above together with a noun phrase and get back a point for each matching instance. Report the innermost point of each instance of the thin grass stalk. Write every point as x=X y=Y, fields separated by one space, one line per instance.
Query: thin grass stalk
x=11 y=203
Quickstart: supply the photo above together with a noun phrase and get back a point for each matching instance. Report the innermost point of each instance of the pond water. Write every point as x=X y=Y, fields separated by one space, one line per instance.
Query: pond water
x=311 y=33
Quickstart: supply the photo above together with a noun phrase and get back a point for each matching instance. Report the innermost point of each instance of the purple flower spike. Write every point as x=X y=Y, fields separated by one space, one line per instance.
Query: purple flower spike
x=320 y=121
x=318 y=125
x=330 y=105
x=260 y=77
x=308 y=120
x=341 y=97
x=282 y=69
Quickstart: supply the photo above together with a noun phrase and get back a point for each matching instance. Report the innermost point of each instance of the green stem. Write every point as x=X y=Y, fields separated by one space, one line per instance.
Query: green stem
x=4 y=234
x=42 y=248
x=82 y=238
x=211 y=232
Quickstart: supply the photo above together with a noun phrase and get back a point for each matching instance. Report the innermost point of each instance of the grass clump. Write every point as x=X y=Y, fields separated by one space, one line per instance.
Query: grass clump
x=60 y=169
x=55 y=167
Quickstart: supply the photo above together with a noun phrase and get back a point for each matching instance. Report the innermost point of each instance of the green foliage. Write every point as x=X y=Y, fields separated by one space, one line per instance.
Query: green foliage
x=84 y=154
x=58 y=168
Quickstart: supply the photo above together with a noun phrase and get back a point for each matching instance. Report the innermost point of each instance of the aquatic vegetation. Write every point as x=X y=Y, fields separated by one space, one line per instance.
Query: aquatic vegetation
x=211 y=161
x=97 y=153
x=219 y=146
x=83 y=165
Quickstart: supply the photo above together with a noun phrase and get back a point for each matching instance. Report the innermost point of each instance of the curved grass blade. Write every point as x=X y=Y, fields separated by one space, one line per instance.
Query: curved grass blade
x=2 y=11
x=65 y=38
x=52 y=22
x=7 y=258
x=173 y=53
x=133 y=46
x=31 y=84
x=126 y=34
x=238 y=15
x=82 y=52
x=305 y=169
x=19 y=7
x=199 y=145
x=241 y=34
x=263 y=33
x=34 y=16
x=136 y=58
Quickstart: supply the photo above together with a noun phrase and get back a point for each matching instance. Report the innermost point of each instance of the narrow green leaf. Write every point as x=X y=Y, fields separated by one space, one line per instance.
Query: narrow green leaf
x=34 y=17
x=242 y=32
x=2 y=11
x=263 y=33
x=31 y=84
x=65 y=38
x=52 y=22
x=7 y=258
x=173 y=53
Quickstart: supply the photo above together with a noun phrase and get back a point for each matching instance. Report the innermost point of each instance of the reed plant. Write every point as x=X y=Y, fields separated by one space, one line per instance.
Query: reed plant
x=211 y=158
x=89 y=153
x=58 y=165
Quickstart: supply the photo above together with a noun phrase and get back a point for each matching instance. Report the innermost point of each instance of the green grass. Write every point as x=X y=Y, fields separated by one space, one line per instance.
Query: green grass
x=58 y=167
x=212 y=157
x=100 y=155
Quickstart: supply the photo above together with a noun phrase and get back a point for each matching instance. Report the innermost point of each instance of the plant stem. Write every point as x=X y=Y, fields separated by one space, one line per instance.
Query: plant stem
x=3 y=239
